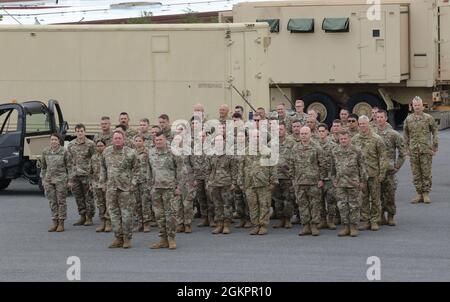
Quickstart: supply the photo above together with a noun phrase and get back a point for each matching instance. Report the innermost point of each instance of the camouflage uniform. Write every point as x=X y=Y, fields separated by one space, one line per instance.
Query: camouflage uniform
x=420 y=133
x=375 y=158
x=147 y=135
x=353 y=131
x=200 y=170
x=308 y=168
x=55 y=170
x=348 y=171
x=164 y=180
x=81 y=153
x=168 y=133
x=99 y=194
x=185 y=206
x=296 y=117
x=394 y=143
x=222 y=174
x=284 y=194
x=328 y=205
x=131 y=133
x=240 y=200
x=119 y=174
x=106 y=137
x=142 y=194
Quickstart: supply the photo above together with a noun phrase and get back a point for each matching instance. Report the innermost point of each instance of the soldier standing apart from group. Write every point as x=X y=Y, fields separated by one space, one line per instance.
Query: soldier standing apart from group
x=164 y=182
x=142 y=193
x=97 y=188
x=81 y=150
x=106 y=134
x=283 y=194
x=421 y=141
x=119 y=175
x=349 y=177
x=395 y=150
x=55 y=171
x=374 y=152
x=308 y=169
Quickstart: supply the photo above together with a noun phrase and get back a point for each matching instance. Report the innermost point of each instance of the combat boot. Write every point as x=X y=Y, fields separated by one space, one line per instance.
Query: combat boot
x=54 y=226
x=345 y=231
x=323 y=224
x=88 y=221
x=204 y=223
x=163 y=244
x=172 y=244
x=288 y=224
x=80 y=221
x=226 y=227
x=138 y=228
x=331 y=225
x=248 y=224
x=188 y=228
x=280 y=224
x=374 y=226
x=383 y=220
x=118 y=242
x=146 y=227
x=314 y=230
x=262 y=230
x=417 y=199
x=212 y=223
x=180 y=228
x=126 y=243
x=219 y=228
x=353 y=230
x=365 y=226
x=426 y=198
x=60 y=226
x=391 y=221
x=241 y=223
x=101 y=228
x=255 y=230
x=108 y=227
x=306 y=230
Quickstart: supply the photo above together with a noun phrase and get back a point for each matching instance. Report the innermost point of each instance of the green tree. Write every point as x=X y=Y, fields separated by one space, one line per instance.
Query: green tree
x=144 y=19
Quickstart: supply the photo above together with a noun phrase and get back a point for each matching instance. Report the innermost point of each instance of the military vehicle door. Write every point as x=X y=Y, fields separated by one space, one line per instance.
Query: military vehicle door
x=444 y=43
x=59 y=124
x=372 y=47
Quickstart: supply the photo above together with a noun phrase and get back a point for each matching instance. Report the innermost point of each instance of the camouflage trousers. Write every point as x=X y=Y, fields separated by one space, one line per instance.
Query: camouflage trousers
x=370 y=201
x=56 y=194
x=165 y=205
x=223 y=203
x=185 y=204
x=308 y=200
x=421 y=171
x=259 y=200
x=204 y=200
x=348 y=204
x=328 y=204
x=241 y=204
x=83 y=196
x=100 y=200
x=121 y=206
x=284 y=198
x=389 y=186
x=143 y=207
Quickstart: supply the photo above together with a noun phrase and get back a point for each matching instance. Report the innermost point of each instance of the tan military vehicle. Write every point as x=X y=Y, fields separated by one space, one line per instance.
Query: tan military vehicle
x=345 y=53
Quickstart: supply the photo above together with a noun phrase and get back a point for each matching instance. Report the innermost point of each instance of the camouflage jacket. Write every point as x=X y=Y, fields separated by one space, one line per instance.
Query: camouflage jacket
x=55 y=165
x=327 y=147
x=80 y=154
x=200 y=166
x=143 y=165
x=131 y=133
x=168 y=133
x=251 y=174
x=147 y=135
x=395 y=147
x=119 y=169
x=96 y=164
x=107 y=137
x=420 y=133
x=307 y=164
x=374 y=153
x=347 y=167
x=352 y=131
x=296 y=117
x=222 y=170
x=285 y=148
x=163 y=169
x=185 y=169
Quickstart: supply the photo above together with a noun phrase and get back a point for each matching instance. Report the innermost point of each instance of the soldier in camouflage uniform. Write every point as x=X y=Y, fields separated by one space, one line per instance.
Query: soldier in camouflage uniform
x=396 y=153
x=309 y=171
x=164 y=124
x=353 y=128
x=284 y=194
x=375 y=157
x=144 y=129
x=142 y=193
x=106 y=134
x=282 y=114
x=349 y=177
x=328 y=205
x=336 y=128
x=421 y=141
x=222 y=174
x=97 y=189
x=130 y=133
x=299 y=115
x=128 y=140
x=312 y=124
x=296 y=127
x=223 y=113
x=55 y=170
x=81 y=150
x=373 y=119
x=119 y=174
x=343 y=115
x=166 y=189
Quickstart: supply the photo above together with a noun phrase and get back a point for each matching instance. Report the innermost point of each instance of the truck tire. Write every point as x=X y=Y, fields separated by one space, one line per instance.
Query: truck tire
x=323 y=104
x=362 y=104
x=4 y=183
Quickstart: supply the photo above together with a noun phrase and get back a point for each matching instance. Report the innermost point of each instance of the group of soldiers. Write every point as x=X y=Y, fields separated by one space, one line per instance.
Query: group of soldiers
x=323 y=177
